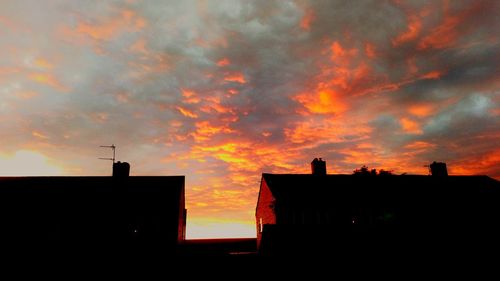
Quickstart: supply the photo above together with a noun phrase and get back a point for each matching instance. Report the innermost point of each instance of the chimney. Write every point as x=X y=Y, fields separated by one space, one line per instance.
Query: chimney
x=318 y=167
x=438 y=169
x=121 y=169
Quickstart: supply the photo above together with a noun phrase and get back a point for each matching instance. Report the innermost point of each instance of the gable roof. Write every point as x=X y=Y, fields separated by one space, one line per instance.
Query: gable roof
x=83 y=192
x=308 y=187
x=90 y=182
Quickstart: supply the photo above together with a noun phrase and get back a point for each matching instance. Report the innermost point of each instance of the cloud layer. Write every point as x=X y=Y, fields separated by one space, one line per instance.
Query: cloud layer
x=221 y=91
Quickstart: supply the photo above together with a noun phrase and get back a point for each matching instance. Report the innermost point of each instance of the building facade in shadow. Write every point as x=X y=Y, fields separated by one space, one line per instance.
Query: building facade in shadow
x=78 y=213
x=333 y=214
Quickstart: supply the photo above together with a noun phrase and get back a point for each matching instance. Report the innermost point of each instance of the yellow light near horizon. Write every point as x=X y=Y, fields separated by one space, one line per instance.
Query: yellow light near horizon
x=201 y=229
x=27 y=163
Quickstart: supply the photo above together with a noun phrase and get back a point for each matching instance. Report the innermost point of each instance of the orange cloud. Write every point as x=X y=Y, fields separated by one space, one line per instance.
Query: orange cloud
x=26 y=95
x=442 y=36
x=97 y=32
x=39 y=135
x=393 y=86
x=233 y=153
x=9 y=70
x=205 y=128
x=374 y=156
x=317 y=130
x=412 y=65
x=48 y=79
x=480 y=164
x=235 y=77
x=495 y=112
x=370 y=51
x=448 y=31
x=139 y=46
x=126 y=21
x=418 y=145
x=187 y=93
x=322 y=102
x=411 y=33
x=149 y=63
x=132 y=18
x=42 y=63
x=187 y=112
x=410 y=126
x=214 y=104
x=412 y=151
x=216 y=107
x=337 y=50
x=345 y=73
x=223 y=62
x=432 y=75
x=122 y=97
x=421 y=110
x=360 y=156
x=233 y=91
x=99 y=117
x=190 y=97
x=13 y=26
x=307 y=19
x=204 y=131
x=6 y=22
x=244 y=158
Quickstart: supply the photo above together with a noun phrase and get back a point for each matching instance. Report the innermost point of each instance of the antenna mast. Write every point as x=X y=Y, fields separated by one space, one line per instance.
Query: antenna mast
x=113 y=147
x=428 y=167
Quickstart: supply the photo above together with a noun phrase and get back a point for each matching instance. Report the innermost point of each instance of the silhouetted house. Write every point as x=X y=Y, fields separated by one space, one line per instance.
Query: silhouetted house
x=306 y=213
x=93 y=212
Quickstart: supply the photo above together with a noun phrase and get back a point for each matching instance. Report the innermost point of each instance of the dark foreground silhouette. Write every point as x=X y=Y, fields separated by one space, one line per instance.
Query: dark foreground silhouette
x=92 y=214
x=336 y=217
x=369 y=215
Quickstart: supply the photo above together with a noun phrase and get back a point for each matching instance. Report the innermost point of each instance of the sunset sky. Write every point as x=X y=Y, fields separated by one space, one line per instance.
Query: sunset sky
x=222 y=91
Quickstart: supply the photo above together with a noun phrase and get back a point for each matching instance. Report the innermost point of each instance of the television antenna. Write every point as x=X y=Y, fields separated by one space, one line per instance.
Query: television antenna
x=429 y=168
x=113 y=147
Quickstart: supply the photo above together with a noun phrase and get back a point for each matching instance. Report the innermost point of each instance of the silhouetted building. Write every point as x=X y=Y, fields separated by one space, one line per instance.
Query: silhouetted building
x=438 y=169
x=318 y=167
x=338 y=214
x=121 y=169
x=93 y=212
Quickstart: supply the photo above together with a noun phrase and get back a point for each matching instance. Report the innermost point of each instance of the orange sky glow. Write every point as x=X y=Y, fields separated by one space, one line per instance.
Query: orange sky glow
x=223 y=91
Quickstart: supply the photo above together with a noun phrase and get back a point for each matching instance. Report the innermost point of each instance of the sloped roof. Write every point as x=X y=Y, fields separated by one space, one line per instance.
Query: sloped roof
x=91 y=179
x=307 y=187
x=35 y=194
x=89 y=183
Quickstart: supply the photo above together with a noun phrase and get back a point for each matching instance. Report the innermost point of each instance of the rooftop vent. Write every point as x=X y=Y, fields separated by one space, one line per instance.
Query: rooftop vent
x=438 y=169
x=121 y=169
x=318 y=167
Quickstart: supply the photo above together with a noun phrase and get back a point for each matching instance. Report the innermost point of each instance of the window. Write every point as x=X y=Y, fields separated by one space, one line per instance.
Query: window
x=260 y=225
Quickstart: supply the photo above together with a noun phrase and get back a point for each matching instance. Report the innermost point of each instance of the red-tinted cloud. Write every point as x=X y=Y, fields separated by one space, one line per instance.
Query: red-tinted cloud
x=223 y=92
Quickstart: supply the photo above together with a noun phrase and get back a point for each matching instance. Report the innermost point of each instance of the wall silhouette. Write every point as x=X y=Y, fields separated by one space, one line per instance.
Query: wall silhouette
x=308 y=214
x=93 y=212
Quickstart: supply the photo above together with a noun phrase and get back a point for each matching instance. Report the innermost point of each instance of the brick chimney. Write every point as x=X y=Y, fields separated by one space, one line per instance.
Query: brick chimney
x=121 y=169
x=318 y=167
x=438 y=169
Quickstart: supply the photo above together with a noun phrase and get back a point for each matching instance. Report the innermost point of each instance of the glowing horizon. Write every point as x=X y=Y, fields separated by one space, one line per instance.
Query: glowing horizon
x=223 y=91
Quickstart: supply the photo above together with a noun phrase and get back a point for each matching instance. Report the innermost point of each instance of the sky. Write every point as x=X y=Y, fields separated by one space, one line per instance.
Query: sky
x=223 y=91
